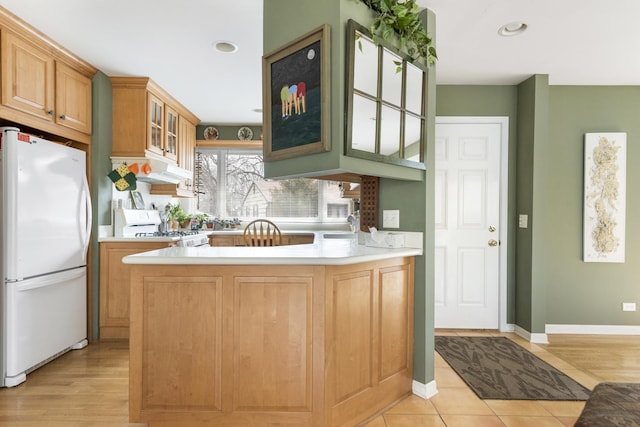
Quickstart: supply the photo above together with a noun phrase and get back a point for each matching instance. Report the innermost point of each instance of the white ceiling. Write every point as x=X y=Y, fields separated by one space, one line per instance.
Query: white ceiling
x=574 y=41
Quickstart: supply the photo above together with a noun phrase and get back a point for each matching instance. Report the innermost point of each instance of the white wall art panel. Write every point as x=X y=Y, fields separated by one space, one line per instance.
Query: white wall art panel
x=605 y=173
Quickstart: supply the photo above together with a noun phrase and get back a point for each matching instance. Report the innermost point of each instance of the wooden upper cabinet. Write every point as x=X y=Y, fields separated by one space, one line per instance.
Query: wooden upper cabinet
x=187 y=151
x=73 y=99
x=171 y=134
x=28 y=76
x=46 y=93
x=146 y=120
x=155 y=130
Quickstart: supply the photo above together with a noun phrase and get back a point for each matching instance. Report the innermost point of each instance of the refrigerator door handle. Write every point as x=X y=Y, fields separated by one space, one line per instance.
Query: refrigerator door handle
x=89 y=215
x=39 y=282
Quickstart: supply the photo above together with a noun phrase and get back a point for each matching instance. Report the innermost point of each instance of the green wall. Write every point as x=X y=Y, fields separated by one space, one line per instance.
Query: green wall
x=497 y=101
x=416 y=203
x=578 y=292
x=100 y=183
x=531 y=178
x=548 y=281
x=407 y=189
x=228 y=132
x=524 y=201
x=283 y=24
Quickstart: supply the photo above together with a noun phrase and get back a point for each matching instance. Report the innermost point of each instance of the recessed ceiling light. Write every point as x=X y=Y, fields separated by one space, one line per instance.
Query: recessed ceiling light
x=226 y=46
x=512 y=29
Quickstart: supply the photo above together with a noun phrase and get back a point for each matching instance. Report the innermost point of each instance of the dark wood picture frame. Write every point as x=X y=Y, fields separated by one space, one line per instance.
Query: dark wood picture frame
x=296 y=89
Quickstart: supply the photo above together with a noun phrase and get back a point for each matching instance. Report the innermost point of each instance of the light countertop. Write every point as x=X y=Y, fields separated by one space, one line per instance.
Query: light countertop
x=110 y=238
x=332 y=250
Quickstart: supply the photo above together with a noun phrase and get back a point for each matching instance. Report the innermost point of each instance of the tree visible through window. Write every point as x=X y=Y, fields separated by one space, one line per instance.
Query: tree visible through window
x=232 y=185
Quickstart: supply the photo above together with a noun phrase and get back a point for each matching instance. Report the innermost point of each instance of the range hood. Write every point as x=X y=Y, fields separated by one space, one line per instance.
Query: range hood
x=155 y=171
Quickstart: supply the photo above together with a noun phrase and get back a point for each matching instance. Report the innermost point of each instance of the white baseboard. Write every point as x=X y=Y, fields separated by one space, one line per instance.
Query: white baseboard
x=508 y=327
x=425 y=391
x=533 y=338
x=593 y=329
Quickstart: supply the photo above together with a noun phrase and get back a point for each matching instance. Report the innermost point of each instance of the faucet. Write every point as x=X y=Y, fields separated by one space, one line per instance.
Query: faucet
x=354 y=221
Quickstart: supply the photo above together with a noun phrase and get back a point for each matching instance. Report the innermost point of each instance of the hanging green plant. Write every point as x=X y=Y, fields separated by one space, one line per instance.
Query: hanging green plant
x=403 y=20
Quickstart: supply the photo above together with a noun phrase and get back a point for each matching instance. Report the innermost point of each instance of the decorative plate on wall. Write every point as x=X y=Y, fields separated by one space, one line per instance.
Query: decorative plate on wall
x=245 y=133
x=211 y=133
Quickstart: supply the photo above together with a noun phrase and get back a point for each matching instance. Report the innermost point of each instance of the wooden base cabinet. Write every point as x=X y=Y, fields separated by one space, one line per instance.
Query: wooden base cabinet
x=114 y=286
x=269 y=345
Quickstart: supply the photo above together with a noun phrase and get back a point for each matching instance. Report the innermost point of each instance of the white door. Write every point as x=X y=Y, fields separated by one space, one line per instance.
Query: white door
x=467 y=221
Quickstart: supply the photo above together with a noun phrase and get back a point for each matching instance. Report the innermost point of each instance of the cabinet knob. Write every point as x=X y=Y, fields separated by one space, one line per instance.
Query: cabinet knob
x=63 y=117
x=50 y=112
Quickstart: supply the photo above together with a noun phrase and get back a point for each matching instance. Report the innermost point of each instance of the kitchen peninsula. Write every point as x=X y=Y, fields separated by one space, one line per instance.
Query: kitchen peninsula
x=308 y=335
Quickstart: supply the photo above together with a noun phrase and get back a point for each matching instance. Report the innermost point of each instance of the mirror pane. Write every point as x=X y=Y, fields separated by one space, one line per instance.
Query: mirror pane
x=363 y=132
x=365 y=67
x=391 y=78
x=414 y=89
x=412 y=127
x=390 y=132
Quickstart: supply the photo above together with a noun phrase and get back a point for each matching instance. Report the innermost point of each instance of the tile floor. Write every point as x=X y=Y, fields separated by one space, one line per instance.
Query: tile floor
x=456 y=405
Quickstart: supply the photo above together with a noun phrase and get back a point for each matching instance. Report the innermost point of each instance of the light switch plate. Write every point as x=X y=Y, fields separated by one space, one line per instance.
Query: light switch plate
x=523 y=221
x=391 y=219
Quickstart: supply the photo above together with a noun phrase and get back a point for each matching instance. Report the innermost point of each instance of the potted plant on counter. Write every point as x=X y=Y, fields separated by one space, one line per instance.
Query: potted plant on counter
x=175 y=216
x=202 y=219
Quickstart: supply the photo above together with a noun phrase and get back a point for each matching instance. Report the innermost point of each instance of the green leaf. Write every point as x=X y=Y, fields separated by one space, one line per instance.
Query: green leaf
x=400 y=11
x=403 y=20
x=402 y=43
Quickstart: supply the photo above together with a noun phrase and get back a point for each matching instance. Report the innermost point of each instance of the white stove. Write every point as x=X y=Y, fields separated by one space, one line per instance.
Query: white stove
x=134 y=223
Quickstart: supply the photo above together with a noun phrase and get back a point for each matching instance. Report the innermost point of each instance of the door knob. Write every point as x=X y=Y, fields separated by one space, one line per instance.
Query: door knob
x=493 y=242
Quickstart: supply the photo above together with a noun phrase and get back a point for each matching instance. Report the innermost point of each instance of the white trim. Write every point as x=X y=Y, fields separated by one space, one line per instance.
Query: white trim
x=593 y=329
x=504 y=201
x=425 y=391
x=509 y=327
x=533 y=338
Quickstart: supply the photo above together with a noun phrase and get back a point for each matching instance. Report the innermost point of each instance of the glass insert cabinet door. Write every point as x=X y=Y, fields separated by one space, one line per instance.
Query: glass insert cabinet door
x=386 y=109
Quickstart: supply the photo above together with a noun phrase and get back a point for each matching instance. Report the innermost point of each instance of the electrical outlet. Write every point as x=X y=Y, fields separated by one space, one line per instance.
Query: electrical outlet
x=391 y=219
x=628 y=306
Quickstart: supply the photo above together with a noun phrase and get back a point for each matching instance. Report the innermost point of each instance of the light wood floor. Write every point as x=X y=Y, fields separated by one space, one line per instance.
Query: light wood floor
x=89 y=388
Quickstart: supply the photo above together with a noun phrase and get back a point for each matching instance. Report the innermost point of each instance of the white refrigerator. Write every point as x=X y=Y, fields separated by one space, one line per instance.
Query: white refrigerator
x=45 y=209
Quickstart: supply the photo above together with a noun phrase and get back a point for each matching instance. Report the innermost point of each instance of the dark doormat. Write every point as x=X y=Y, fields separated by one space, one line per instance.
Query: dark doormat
x=612 y=404
x=498 y=368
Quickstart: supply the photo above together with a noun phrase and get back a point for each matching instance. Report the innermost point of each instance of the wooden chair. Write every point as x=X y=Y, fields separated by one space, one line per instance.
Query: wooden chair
x=262 y=232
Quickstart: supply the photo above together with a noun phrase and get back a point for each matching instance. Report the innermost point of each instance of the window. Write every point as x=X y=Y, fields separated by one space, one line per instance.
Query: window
x=231 y=184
